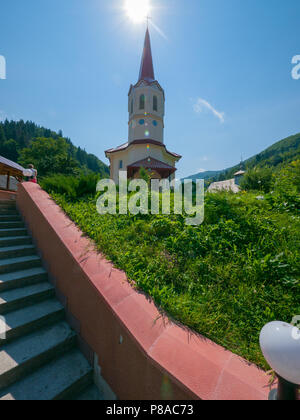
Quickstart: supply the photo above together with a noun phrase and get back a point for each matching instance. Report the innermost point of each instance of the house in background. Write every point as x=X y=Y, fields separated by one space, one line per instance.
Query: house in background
x=238 y=176
x=232 y=185
x=145 y=147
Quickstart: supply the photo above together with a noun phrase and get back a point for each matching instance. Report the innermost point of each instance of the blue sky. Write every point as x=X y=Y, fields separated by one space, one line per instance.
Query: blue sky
x=225 y=66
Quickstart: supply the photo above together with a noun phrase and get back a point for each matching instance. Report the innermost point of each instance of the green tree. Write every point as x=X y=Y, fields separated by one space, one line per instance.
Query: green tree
x=49 y=156
x=24 y=133
x=144 y=174
x=288 y=180
x=9 y=149
x=258 y=179
x=294 y=173
x=2 y=136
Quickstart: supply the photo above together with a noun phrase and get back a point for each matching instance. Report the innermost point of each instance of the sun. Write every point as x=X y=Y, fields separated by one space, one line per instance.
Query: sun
x=137 y=10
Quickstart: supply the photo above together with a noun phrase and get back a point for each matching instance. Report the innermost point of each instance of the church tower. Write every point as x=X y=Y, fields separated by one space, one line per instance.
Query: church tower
x=145 y=147
x=146 y=103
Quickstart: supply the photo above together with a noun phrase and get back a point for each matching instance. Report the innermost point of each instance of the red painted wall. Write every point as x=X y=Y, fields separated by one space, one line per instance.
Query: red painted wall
x=155 y=359
x=7 y=195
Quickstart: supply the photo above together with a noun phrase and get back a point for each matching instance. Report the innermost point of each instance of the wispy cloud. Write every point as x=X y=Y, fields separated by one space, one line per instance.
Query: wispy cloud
x=201 y=105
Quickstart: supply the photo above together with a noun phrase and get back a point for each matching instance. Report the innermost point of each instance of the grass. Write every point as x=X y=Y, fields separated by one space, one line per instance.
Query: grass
x=224 y=279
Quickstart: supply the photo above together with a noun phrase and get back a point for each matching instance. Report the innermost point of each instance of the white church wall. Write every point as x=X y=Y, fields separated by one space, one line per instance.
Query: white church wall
x=136 y=153
x=151 y=128
x=139 y=131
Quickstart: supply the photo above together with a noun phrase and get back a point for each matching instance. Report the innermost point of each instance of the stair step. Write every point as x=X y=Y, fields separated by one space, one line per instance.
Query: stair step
x=6 y=212
x=7 y=208
x=16 y=251
x=24 y=296
x=15 y=240
x=54 y=381
x=7 y=202
x=13 y=232
x=21 y=357
x=89 y=394
x=9 y=265
x=8 y=205
x=22 y=278
x=24 y=321
x=10 y=218
x=11 y=224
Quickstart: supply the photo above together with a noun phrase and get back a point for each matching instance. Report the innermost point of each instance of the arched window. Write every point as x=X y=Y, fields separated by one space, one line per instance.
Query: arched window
x=131 y=107
x=121 y=164
x=142 y=101
x=155 y=103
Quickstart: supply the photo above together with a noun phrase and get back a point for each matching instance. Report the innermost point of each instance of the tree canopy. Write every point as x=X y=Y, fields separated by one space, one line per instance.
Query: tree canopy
x=26 y=142
x=49 y=156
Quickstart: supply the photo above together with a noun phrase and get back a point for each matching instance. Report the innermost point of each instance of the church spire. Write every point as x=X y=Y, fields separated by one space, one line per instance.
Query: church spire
x=147 y=70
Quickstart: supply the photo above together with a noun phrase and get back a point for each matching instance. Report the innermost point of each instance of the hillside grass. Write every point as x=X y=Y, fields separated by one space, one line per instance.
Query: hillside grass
x=224 y=279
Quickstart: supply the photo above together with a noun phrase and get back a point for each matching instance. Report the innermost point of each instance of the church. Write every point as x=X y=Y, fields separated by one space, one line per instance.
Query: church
x=145 y=147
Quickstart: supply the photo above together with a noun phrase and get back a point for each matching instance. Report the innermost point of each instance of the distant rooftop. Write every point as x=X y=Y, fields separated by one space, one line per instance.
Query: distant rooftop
x=228 y=185
x=239 y=173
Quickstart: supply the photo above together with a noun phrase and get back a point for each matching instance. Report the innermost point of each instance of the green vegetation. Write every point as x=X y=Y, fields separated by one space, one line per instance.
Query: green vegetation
x=50 y=152
x=226 y=278
x=258 y=179
x=72 y=187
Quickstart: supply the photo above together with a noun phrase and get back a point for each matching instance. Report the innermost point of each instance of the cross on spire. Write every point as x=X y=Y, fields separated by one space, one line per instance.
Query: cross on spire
x=147 y=20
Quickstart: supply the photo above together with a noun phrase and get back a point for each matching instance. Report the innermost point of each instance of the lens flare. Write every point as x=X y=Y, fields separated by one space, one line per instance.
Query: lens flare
x=137 y=10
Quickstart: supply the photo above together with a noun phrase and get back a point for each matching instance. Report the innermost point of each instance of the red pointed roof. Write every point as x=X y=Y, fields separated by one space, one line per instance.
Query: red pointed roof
x=147 y=69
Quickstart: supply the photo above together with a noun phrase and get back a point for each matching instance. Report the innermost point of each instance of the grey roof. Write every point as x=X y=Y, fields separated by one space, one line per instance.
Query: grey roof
x=239 y=173
x=228 y=185
x=11 y=164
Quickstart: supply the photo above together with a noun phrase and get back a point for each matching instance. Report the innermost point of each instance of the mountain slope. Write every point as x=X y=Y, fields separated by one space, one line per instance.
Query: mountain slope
x=283 y=151
x=15 y=136
x=205 y=175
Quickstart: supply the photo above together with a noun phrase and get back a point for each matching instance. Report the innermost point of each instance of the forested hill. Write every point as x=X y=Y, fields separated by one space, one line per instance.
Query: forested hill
x=26 y=142
x=282 y=152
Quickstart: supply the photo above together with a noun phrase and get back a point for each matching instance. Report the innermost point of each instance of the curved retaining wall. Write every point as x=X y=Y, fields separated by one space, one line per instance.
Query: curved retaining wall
x=141 y=355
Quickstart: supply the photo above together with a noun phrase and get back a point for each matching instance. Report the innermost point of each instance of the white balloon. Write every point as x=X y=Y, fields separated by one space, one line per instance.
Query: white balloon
x=280 y=345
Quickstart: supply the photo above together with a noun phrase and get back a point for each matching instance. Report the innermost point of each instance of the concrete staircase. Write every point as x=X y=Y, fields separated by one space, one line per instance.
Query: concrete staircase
x=39 y=358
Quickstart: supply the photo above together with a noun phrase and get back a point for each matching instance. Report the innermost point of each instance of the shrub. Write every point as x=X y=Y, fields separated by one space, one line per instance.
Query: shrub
x=70 y=186
x=258 y=179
